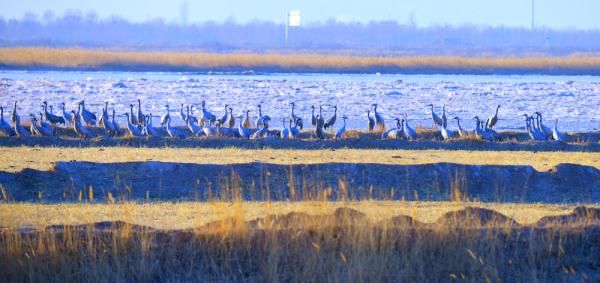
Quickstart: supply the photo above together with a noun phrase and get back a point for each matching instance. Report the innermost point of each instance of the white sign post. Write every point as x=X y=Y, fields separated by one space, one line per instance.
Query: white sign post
x=293 y=20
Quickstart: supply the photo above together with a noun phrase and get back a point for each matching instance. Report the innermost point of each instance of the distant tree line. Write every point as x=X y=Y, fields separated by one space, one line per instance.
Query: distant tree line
x=76 y=29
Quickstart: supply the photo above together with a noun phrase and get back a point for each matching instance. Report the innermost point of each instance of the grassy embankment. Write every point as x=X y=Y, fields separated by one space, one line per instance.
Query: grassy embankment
x=40 y=58
x=14 y=159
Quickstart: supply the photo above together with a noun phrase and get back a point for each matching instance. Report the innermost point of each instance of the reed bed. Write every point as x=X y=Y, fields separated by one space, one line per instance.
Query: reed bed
x=348 y=247
x=108 y=59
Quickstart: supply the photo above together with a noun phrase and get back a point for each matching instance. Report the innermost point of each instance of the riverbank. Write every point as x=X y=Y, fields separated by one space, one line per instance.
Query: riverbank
x=251 y=63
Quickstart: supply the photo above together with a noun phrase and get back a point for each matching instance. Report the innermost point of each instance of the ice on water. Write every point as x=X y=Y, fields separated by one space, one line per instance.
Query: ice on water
x=573 y=100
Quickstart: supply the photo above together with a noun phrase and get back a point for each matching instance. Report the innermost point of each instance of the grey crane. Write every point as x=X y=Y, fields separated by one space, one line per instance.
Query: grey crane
x=263 y=132
x=320 y=119
x=16 y=123
x=319 y=129
x=38 y=130
x=206 y=115
x=556 y=134
x=5 y=127
x=462 y=132
x=182 y=114
x=44 y=124
x=246 y=123
x=133 y=130
x=446 y=134
x=530 y=131
x=132 y=118
x=193 y=119
x=294 y=130
x=54 y=119
x=140 y=115
x=65 y=115
x=174 y=132
x=313 y=118
x=408 y=132
x=399 y=132
x=88 y=117
x=437 y=121
x=164 y=118
x=80 y=130
x=46 y=128
x=285 y=132
x=104 y=121
x=378 y=118
x=341 y=131
x=331 y=120
x=295 y=117
x=393 y=132
x=115 y=126
x=480 y=133
x=491 y=121
x=224 y=117
x=543 y=128
x=535 y=125
x=210 y=131
x=242 y=129
x=261 y=118
x=149 y=128
x=193 y=127
x=371 y=121
x=444 y=118
x=231 y=119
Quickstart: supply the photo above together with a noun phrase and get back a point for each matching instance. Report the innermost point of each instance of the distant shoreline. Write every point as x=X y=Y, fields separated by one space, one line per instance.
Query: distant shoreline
x=45 y=59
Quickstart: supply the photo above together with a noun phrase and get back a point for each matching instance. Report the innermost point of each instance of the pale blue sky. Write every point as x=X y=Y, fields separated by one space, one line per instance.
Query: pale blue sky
x=582 y=14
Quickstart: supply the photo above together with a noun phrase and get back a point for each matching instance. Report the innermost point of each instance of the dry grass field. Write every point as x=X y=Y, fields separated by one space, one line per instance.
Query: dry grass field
x=114 y=240
x=350 y=245
x=128 y=60
x=14 y=159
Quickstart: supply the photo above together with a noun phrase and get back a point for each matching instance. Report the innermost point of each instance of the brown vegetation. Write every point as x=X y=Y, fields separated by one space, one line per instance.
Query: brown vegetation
x=471 y=245
x=200 y=61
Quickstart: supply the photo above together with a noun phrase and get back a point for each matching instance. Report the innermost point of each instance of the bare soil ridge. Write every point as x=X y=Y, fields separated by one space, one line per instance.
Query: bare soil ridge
x=152 y=180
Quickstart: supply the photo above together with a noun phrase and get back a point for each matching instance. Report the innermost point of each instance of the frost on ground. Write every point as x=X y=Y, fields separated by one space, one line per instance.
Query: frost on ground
x=573 y=100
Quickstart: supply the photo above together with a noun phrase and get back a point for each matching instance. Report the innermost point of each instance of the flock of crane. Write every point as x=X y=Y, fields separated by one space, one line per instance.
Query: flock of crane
x=208 y=124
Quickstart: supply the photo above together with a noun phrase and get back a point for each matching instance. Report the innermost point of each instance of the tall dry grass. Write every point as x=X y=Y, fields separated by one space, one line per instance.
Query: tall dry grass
x=349 y=249
x=102 y=59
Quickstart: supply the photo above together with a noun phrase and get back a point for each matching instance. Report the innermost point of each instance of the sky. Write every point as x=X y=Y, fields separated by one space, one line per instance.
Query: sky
x=579 y=14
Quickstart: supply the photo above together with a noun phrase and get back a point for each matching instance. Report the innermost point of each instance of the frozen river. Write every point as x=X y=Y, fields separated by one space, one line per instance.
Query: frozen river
x=575 y=101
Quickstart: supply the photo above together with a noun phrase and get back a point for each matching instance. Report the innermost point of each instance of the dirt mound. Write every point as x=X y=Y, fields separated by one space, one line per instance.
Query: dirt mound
x=349 y=216
x=401 y=221
x=151 y=180
x=475 y=217
x=579 y=215
x=290 y=220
